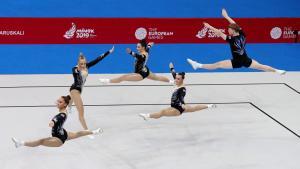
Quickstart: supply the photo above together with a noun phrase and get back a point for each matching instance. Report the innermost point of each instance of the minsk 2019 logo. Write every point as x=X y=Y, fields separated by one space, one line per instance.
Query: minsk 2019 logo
x=82 y=33
x=205 y=32
x=202 y=33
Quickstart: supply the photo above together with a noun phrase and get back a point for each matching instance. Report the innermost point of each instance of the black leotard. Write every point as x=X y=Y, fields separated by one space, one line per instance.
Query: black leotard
x=58 y=130
x=140 y=62
x=178 y=95
x=237 y=44
x=140 y=66
x=238 y=50
x=79 y=78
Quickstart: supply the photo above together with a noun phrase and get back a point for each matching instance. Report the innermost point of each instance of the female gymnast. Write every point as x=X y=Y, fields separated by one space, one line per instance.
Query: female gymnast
x=141 y=71
x=59 y=134
x=178 y=105
x=237 y=41
x=80 y=73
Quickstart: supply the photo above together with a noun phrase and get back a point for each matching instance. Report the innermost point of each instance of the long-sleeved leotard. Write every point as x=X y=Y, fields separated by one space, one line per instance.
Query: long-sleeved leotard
x=140 y=66
x=178 y=95
x=58 y=130
x=80 y=76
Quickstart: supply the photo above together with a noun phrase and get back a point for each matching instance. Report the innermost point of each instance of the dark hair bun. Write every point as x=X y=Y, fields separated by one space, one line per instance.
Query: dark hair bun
x=66 y=99
x=143 y=43
x=182 y=74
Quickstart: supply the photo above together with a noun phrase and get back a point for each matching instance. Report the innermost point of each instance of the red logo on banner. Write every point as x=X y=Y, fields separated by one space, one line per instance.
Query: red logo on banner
x=141 y=33
x=206 y=33
x=151 y=33
x=289 y=32
x=81 y=33
x=276 y=33
x=285 y=32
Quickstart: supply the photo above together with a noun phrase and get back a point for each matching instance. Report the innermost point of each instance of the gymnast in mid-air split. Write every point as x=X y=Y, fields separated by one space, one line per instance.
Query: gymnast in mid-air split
x=59 y=134
x=141 y=70
x=237 y=42
x=178 y=106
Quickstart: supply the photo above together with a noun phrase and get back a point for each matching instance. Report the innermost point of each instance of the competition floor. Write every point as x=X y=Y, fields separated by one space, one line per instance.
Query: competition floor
x=256 y=124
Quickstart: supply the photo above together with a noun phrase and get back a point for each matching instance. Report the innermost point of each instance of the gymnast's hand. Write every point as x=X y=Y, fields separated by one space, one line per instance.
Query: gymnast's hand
x=112 y=49
x=128 y=50
x=171 y=66
x=224 y=13
x=151 y=43
x=51 y=124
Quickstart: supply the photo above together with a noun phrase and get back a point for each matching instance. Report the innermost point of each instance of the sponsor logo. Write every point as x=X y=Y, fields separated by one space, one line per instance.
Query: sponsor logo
x=152 y=33
x=276 y=33
x=285 y=32
x=202 y=33
x=289 y=33
x=71 y=32
x=205 y=32
x=140 y=33
x=79 y=33
x=12 y=33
